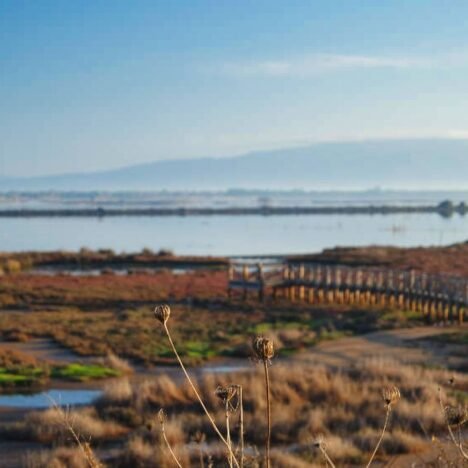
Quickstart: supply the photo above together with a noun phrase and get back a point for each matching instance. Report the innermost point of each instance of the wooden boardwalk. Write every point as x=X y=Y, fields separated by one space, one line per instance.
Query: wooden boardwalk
x=437 y=297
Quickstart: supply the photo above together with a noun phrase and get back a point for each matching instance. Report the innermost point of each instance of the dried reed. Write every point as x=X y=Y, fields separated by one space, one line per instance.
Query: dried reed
x=264 y=351
x=161 y=418
x=454 y=417
x=241 y=424
x=226 y=394
x=320 y=444
x=390 y=396
x=84 y=447
x=162 y=314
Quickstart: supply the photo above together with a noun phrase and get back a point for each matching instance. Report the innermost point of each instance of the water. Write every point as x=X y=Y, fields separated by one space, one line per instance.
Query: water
x=231 y=235
x=226 y=199
x=46 y=399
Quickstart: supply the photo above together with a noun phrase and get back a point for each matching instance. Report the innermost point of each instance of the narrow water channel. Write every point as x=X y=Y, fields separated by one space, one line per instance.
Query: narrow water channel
x=45 y=399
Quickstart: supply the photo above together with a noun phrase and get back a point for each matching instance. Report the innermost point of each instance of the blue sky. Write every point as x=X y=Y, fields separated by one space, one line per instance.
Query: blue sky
x=90 y=85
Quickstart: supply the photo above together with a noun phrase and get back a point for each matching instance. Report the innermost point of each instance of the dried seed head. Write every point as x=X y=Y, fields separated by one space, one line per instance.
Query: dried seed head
x=263 y=348
x=161 y=417
x=199 y=437
x=391 y=395
x=456 y=415
x=319 y=441
x=162 y=313
x=226 y=394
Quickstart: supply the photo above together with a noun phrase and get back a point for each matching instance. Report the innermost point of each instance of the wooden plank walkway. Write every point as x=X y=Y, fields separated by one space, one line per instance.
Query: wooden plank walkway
x=437 y=297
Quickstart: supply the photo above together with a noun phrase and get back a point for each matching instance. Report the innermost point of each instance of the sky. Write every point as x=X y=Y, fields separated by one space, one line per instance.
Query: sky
x=93 y=85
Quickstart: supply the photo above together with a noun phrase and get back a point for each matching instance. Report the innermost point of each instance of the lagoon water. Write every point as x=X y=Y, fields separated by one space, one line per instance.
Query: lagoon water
x=49 y=398
x=231 y=235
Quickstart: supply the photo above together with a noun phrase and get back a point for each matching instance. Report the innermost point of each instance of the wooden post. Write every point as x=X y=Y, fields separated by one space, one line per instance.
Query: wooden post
x=245 y=279
x=463 y=306
x=311 y=289
x=301 y=281
x=383 y=289
x=410 y=290
x=379 y=287
x=401 y=291
x=422 y=294
x=261 y=281
x=459 y=313
x=390 y=289
x=338 y=289
x=230 y=278
x=352 y=286
x=369 y=287
x=286 y=281
x=358 y=285
x=328 y=285
x=346 y=286
x=445 y=309
x=292 y=287
x=319 y=282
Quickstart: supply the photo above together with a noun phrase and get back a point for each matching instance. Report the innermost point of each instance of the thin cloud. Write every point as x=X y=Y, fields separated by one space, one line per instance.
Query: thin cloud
x=323 y=63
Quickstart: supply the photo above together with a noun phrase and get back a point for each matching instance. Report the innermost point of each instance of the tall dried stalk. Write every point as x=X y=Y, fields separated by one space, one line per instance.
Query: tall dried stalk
x=228 y=434
x=241 y=424
x=227 y=395
x=84 y=447
x=161 y=418
x=200 y=438
x=390 y=397
x=459 y=420
x=264 y=351
x=320 y=444
x=162 y=313
x=268 y=412
x=387 y=416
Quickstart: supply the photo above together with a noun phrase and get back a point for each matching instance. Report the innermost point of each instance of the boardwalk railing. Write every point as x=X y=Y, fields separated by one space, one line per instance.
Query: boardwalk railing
x=438 y=297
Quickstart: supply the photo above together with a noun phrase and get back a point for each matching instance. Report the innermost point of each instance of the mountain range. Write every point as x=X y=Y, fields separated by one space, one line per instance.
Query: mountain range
x=396 y=164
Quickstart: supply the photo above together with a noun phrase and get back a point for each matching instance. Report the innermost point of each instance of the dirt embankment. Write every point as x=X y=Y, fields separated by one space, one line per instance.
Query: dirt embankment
x=451 y=259
x=86 y=259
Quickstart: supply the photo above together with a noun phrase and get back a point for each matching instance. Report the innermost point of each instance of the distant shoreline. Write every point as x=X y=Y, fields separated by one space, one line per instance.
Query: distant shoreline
x=445 y=208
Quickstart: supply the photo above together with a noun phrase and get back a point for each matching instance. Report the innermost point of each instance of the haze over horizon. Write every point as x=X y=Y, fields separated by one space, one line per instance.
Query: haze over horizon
x=434 y=164
x=94 y=86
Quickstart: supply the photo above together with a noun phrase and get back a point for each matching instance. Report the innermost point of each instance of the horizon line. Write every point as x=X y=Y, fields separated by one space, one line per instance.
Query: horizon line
x=453 y=136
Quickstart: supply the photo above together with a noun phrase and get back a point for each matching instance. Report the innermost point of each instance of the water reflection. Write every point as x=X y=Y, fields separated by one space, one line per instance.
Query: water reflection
x=231 y=235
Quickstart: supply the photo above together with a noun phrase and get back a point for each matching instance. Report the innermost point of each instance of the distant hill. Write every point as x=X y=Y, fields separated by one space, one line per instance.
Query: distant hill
x=398 y=164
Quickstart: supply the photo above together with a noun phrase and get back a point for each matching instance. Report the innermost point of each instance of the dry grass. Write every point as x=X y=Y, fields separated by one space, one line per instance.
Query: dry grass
x=344 y=406
x=48 y=426
x=119 y=392
x=61 y=457
x=115 y=362
x=148 y=449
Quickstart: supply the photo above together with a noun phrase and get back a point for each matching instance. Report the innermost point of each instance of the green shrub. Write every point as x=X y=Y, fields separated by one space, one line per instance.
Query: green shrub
x=83 y=372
